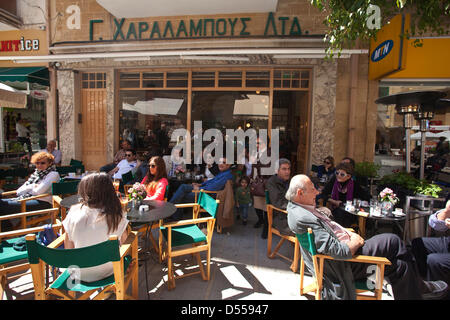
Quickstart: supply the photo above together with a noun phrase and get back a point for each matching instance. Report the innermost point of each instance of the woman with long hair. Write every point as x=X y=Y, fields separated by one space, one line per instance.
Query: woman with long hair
x=327 y=170
x=98 y=215
x=156 y=179
x=39 y=182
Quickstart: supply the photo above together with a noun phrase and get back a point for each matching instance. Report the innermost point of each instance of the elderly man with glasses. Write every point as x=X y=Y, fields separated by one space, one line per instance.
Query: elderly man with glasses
x=334 y=240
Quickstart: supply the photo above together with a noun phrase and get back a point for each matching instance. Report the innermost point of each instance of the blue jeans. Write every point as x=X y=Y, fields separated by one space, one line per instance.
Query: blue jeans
x=243 y=210
x=183 y=194
x=8 y=206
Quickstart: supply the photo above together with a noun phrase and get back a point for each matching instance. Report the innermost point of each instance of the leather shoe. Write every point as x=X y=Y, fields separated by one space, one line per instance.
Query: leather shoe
x=434 y=290
x=258 y=224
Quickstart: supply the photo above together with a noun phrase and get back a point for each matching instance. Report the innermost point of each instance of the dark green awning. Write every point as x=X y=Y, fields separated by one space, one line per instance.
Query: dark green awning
x=37 y=75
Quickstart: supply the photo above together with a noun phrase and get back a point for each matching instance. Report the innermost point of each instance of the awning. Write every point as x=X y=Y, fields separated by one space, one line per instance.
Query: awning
x=11 y=98
x=16 y=77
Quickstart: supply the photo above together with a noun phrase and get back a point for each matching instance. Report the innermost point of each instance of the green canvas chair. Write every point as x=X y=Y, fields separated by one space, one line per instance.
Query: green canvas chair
x=363 y=292
x=13 y=253
x=62 y=189
x=124 y=260
x=74 y=162
x=186 y=237
x=283 y=237
x=63 y=170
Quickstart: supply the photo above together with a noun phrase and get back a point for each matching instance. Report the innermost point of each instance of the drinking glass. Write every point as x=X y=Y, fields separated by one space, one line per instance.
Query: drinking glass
x=116 y=184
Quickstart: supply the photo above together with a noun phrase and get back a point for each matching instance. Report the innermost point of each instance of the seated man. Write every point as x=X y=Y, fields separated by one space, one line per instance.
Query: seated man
x=277 y=185
x=126 y=165
x=120 y=155
x=432 y=253
x=184 y=192
x=51 y=148
x=334 y=240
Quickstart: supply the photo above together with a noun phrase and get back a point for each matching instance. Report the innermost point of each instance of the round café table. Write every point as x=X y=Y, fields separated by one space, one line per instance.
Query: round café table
x=363 y=215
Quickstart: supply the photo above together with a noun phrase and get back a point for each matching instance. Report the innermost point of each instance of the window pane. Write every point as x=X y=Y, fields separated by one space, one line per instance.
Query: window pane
x=144 y=112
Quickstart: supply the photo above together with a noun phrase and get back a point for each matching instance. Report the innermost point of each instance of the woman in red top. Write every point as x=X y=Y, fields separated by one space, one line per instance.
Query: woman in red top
x=156 y=179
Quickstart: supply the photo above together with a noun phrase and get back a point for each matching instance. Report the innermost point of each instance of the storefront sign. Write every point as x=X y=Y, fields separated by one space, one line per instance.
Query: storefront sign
x=196 y=28
x=388 y=52
x=429 y=61
x=22 y=43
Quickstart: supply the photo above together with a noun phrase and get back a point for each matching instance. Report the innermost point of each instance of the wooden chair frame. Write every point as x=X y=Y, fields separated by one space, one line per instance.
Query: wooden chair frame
x=196 y=192
x=169 y=253
x=318 y=262
x=23 y=202
x=122 y=280
x=291 y=238
x=15 y=267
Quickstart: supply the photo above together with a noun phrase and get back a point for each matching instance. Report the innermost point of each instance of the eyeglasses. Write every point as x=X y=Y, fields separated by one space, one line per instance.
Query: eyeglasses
x=341 y=174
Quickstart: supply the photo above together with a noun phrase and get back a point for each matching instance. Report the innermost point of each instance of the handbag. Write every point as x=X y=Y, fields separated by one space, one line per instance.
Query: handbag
x=258 y=185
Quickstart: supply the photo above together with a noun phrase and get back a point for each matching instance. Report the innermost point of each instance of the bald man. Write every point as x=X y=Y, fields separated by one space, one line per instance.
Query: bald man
x=51 y=148
x=334 y=240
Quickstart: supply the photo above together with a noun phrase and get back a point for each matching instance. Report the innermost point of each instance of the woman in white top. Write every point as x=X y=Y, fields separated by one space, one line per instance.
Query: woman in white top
x=39 y=182
x=98 y=216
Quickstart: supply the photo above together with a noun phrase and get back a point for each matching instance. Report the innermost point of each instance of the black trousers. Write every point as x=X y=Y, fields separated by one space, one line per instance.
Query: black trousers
x=403 y=273
x=433 y=257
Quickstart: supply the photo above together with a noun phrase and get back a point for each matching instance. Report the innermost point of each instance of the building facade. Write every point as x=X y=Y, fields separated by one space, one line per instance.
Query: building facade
x=119 y=70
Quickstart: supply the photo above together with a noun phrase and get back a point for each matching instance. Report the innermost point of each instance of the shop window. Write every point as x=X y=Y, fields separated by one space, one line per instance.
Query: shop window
x=130 y=80
x=291 y=79
x=152 y=79
x=257 y=79
x=93 y=80
x=203 y=79
x=177 y=80
x=230 y=79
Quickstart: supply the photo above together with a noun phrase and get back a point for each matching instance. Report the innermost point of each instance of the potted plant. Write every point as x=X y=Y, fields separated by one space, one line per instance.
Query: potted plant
x=364 y=171
x=425 y=189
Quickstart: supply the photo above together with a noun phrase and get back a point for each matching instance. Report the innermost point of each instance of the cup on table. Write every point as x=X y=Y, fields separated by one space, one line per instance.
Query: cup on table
x=398 y=211
x=124 y=204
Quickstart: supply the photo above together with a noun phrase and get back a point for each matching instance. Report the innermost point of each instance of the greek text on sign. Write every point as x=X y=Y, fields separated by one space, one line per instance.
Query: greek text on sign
x=382 y=50
x=20 y=45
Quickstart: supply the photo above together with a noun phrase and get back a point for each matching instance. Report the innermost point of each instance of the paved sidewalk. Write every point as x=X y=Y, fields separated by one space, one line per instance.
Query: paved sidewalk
x=240 y=270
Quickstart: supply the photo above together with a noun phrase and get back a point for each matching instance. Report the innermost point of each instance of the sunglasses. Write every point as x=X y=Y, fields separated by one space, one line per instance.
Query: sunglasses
x=129 y=155
x=341 y=174
x=153 y=166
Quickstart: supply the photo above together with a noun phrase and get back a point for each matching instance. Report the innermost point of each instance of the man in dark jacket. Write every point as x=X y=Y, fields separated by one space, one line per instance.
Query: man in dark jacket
x=277 y=185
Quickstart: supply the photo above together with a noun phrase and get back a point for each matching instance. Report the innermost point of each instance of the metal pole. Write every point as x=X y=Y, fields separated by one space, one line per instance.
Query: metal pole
x=407 y=149
x=422 y=154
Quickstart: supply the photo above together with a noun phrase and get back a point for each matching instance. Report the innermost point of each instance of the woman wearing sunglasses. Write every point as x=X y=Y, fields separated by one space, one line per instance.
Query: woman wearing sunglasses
x=343 y=189
x=39 y=182
x=327 y=170
x=156 y=179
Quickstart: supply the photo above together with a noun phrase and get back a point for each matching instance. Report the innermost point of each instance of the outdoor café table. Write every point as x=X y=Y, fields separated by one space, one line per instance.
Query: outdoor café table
x=363 y=215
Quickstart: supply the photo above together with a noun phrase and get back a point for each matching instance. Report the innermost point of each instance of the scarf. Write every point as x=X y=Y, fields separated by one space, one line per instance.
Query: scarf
x=35 y=177
x=346 y=189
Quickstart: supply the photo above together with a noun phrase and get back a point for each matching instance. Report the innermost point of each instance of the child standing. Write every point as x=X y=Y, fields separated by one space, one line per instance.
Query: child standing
x=243 y=198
